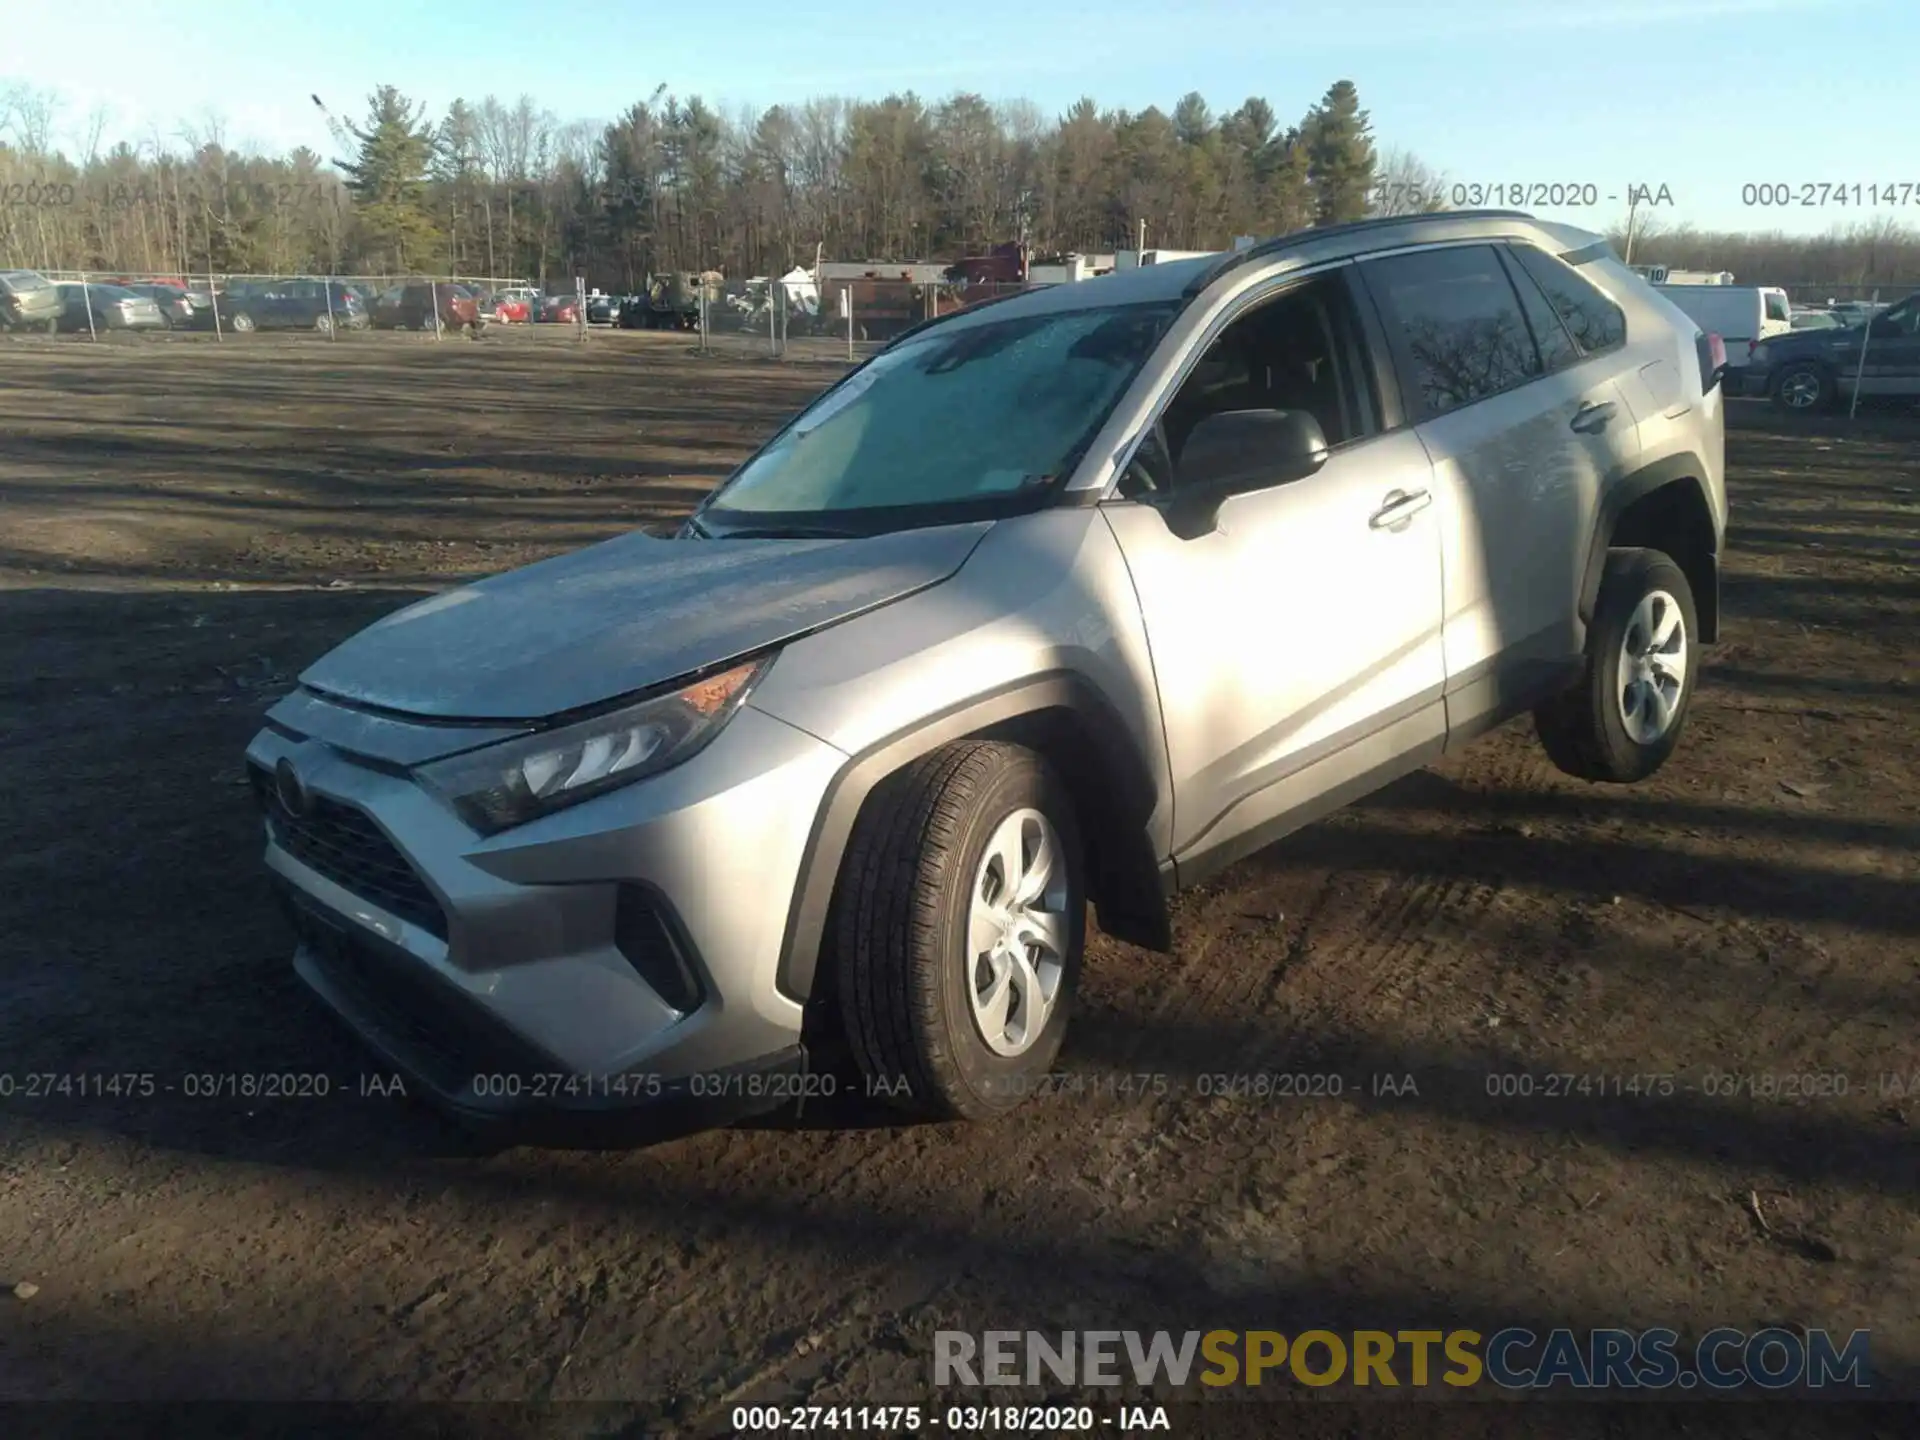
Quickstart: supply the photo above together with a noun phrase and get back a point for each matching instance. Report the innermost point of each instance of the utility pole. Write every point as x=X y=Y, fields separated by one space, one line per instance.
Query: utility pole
x=1633 y=215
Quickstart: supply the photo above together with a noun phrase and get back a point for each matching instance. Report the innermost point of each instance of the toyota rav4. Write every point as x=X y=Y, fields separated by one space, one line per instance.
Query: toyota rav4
x=1065 y=600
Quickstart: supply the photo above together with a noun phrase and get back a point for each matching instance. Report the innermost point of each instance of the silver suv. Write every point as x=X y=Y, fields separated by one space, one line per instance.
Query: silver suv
x=29 y=301
x=1068 y=598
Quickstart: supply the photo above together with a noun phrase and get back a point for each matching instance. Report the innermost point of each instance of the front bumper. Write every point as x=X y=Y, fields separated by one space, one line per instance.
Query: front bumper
x=620 y=955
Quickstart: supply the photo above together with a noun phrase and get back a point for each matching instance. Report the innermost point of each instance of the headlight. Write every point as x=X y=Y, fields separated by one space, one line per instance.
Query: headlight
x=511 y=783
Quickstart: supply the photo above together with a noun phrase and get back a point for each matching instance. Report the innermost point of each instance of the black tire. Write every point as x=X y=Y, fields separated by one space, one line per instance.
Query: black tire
x=1583 y=729
x=323 y=324
x=1802 y=378
x=240 y=323
x=900 y=923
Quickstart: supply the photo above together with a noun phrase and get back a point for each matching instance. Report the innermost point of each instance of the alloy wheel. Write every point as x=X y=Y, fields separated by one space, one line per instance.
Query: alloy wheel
x=1653 y=667
x=1800 y=390
x=1017 y=932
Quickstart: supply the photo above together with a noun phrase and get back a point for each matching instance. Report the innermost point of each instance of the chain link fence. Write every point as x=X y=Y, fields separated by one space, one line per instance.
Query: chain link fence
x=1815 y=292
x=842 y=319
x=772 y=318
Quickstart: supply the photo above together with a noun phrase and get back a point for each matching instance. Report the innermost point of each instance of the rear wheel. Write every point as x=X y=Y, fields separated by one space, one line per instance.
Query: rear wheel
x=1624 y=718
x=323 y=324
x=959 y=924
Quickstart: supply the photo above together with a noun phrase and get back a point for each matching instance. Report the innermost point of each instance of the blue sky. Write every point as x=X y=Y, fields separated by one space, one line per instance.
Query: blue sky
x=1701 y=96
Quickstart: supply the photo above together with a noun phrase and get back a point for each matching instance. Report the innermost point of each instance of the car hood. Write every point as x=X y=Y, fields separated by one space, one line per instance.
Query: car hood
x=621 y=616
x=1814 y=342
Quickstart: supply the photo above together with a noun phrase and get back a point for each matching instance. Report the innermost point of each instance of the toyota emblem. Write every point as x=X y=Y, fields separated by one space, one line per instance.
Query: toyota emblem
x=290 y=790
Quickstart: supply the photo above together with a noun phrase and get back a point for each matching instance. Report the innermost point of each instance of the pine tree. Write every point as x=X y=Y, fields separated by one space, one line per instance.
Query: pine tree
x=388 y=180
x=1340 y=157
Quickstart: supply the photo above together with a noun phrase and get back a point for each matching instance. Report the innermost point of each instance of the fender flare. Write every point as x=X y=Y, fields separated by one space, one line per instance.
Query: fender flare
x=1125 y=797
x=1616 y=500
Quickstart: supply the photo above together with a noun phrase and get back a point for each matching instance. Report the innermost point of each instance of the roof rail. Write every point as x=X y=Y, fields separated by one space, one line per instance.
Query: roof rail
x=1237 y=258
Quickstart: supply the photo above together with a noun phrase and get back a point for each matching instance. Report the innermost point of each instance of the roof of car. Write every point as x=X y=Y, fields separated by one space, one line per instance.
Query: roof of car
x=1177 y=279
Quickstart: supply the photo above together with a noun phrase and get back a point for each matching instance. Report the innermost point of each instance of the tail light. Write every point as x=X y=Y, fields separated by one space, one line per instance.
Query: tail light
x=1712 y=351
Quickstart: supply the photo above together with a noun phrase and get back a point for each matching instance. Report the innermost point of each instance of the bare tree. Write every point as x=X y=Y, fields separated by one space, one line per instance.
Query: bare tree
x=1404 y=184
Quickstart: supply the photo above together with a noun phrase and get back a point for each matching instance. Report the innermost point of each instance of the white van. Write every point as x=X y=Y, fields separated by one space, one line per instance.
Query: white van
x=1741 y=315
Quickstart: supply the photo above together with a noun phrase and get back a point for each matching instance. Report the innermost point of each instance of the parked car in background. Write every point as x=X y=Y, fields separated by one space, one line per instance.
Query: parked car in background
x=179 y=307
x=133 y=282
x=1816 y=319
x=1811 y=369
x=602 y=309
x=558 y=310
x=514 y=306
x=412 y=307
x=29 y=301
x=1216 y=546
x=321 y=305
x=1741 y=315
x=113 y=308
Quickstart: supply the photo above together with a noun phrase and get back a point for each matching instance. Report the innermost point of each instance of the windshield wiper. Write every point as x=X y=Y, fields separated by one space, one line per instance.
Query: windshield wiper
x=787 y=532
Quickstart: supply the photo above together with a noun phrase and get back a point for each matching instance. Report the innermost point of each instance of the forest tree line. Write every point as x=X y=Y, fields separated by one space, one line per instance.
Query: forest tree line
x=503 y=189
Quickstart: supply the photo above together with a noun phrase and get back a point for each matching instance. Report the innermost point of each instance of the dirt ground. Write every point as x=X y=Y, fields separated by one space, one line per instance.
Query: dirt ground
x=184 y=526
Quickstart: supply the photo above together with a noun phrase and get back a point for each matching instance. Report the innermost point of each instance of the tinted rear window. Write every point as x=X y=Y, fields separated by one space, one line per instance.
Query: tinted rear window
x=1465 y=335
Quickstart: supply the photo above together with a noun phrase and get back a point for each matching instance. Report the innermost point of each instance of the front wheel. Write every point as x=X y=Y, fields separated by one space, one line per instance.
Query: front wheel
x=241 y=323
x=959 y=925
x=1803 y=388
x=1624 y=718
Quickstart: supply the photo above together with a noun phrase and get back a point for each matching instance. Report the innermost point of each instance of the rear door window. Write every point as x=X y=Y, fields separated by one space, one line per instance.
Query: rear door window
x=1457 y=325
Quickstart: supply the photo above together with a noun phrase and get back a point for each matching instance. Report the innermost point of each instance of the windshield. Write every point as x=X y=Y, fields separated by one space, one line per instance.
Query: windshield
x=965 y=417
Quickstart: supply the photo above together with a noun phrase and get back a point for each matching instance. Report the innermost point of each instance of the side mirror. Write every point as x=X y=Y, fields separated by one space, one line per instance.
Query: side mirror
x=1238 y=451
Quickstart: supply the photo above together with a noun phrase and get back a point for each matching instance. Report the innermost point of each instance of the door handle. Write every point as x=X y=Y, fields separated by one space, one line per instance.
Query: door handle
x=1592 y=418
x=1399 y=507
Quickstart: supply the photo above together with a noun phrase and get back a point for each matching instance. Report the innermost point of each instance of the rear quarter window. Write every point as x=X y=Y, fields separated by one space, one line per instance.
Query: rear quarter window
x=1777 y=308
x=1595 y=322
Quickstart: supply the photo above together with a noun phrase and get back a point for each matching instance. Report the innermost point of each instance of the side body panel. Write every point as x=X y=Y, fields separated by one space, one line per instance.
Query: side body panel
x=1041 y=625
x=1295 y=629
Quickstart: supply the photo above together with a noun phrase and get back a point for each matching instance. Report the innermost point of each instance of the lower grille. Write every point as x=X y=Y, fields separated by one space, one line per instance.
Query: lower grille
x=345 y=845
x=442 y=1036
